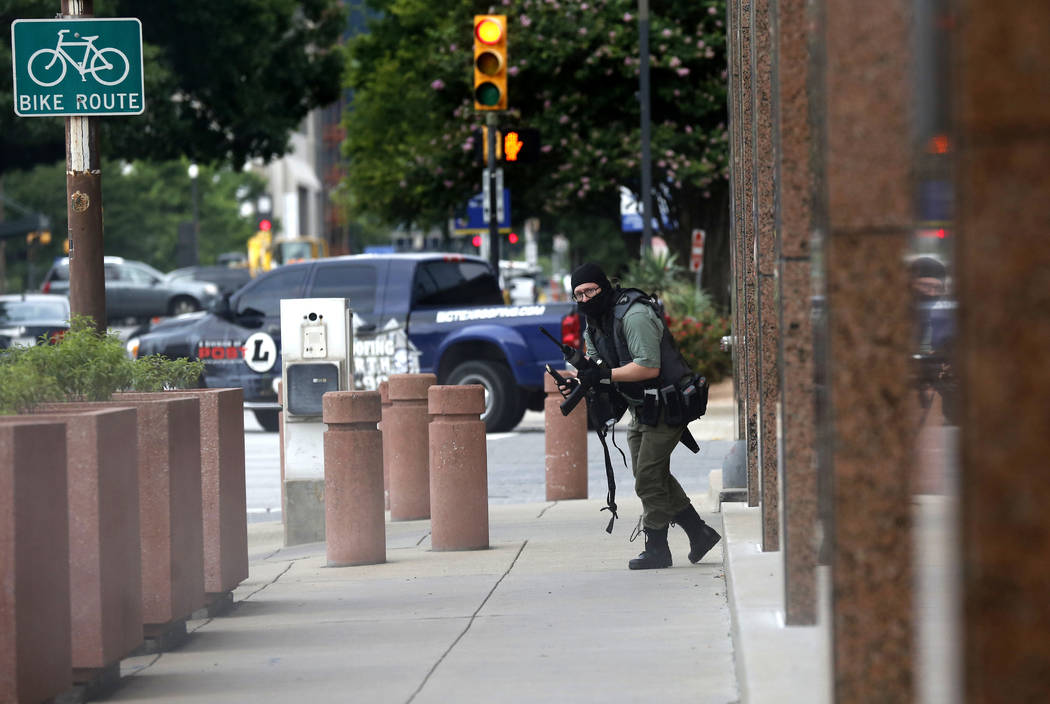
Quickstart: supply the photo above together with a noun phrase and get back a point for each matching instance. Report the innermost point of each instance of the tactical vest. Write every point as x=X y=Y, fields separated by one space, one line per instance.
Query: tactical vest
x=613 y=349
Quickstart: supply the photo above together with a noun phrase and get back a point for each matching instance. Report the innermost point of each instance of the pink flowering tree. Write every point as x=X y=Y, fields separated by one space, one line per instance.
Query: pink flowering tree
x=574 y=71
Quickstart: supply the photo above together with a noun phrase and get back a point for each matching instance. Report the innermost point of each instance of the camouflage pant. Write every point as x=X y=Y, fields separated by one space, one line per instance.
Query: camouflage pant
x=661 y=494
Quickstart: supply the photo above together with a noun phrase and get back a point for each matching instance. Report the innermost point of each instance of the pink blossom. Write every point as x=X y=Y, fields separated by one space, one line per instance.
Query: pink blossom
x=448 y=183
x=563 y=119
x=453 y=48
x=666 y=33
x=700 y=44
x=513 y=70
x=688 y=128
x=524 y=21
x=612 y=35
x=546 y=104
x=712 y=11
x=675 y=61
x=437 y=84
x=683 y=72
x=546 y=148
x=585 y=6
x=582 y=31
x=627 y=17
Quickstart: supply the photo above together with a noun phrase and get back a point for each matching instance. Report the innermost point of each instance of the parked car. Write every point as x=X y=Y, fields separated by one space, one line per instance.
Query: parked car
x=227 y=278
x=29 y=318
x=137 y=290
x=439 y=313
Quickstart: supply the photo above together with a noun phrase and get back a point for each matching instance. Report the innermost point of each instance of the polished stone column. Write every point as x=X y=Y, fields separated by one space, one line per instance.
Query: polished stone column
x=869 y=186
x=749 y=290
x=1002 y=113
x=735 y=262
x=767 y=323
x=795 y=178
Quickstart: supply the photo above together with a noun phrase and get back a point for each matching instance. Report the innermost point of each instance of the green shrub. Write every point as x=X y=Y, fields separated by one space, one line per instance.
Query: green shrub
x=156 y=372
x=699 y=340
x=84 y=365
x=22 y=385
x=654 y=272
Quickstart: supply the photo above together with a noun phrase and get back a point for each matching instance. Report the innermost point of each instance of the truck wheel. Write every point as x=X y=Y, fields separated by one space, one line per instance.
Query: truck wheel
x=268 y=419
x=181 y=305
x=503 y=400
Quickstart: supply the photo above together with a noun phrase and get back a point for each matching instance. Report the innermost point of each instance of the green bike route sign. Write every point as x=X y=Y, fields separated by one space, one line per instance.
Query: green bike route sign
x=66 y=67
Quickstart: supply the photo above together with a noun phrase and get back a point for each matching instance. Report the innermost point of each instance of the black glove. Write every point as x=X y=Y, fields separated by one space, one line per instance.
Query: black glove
x=592 y=376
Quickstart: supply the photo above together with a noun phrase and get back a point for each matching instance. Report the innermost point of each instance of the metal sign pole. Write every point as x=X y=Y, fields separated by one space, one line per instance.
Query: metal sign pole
x=647 y=159
x=87 y=287
x=494 y=192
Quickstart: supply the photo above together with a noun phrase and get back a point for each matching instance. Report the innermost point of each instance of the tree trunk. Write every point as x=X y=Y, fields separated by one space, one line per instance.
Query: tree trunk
x=712 y=216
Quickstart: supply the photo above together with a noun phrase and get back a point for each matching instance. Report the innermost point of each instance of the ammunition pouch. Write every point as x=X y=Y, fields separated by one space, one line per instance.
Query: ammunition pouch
x=679 y=403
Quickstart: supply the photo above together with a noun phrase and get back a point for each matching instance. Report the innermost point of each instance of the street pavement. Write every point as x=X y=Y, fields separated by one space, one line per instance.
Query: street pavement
x=515 y=464
x=548 y=613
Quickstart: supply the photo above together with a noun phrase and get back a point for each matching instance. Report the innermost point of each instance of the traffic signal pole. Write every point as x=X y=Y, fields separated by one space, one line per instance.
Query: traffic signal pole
x=490 y=174
x=87 y=284
x=643 y=97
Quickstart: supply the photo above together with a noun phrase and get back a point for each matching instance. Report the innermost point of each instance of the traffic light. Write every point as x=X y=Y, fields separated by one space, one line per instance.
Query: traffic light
x=490 y=62
x=521 y=145
x=514 y=145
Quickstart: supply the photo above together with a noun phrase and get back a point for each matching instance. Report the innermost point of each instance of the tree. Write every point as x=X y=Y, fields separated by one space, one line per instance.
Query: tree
x=573 y=71
x=225 y=81
x=144 y=204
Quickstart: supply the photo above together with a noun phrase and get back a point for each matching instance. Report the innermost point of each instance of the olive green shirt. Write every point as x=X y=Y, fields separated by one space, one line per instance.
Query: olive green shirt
x=642 y=329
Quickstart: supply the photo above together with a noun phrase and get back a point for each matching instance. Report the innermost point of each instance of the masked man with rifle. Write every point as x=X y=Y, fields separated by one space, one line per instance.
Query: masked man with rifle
x=636 y=356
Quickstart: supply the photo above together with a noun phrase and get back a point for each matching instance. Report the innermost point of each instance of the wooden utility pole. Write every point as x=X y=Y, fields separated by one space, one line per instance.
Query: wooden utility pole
x=87 y=283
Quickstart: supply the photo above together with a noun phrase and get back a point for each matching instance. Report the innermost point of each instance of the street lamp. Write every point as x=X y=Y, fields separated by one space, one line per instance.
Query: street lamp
x=194 y=172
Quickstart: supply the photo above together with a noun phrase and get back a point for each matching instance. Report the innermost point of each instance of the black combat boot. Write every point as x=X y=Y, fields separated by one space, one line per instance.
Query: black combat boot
x=702 y=537
x=656 y=553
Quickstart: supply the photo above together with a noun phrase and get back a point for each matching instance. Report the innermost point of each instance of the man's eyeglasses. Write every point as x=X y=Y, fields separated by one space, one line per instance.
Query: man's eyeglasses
x=586 y=294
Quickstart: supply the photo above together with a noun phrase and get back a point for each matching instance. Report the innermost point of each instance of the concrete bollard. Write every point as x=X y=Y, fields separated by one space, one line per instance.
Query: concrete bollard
x=384 y=395
x=35 y=647
x=355 y=524
x=405 y=426
x=566 y=445
x=459 y=491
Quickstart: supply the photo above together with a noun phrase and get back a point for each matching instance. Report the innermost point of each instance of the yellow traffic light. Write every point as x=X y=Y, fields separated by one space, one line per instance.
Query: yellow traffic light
x=490 y=62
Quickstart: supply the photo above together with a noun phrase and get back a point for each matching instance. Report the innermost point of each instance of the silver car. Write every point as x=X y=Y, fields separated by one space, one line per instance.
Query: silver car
x=137 y=290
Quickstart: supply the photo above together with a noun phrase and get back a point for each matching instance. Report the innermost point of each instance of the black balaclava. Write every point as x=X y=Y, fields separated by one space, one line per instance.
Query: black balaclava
x=591 y=273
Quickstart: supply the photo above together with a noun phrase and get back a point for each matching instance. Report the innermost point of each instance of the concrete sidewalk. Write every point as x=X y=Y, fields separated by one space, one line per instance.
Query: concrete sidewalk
x=548 y=613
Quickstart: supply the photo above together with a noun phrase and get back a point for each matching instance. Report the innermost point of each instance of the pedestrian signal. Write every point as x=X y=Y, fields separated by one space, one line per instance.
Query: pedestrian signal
x=490 y=62
x=514 y=145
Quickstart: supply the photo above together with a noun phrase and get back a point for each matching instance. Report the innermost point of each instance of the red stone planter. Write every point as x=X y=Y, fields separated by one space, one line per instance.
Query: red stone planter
x=103 y=500
x=35 y=655
x=170 y=517
x=224 y=505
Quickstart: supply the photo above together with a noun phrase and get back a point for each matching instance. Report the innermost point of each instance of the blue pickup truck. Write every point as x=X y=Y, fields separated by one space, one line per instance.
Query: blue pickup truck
x=437 y=313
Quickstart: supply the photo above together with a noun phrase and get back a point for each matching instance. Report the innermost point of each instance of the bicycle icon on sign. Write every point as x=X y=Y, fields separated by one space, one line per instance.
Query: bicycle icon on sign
x=47 y=67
